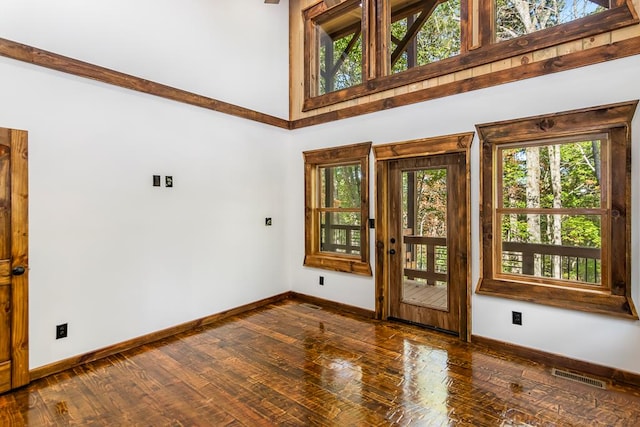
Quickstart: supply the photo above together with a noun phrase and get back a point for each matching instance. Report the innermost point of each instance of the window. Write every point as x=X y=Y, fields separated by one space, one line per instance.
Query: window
x=551 y=210
x=514 y=18
x=337 y=208
x=422 y=32
x=354 y=48
x=336 y=48
x=555 y=209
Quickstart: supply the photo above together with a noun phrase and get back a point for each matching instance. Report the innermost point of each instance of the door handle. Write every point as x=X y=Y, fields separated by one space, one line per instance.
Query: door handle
x=392 y=251
x=18 y=271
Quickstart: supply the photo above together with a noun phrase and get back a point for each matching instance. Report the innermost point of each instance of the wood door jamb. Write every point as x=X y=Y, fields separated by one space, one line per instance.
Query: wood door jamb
x=384 y=154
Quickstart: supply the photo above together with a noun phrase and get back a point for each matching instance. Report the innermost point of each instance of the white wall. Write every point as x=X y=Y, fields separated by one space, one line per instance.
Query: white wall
x=594 y=338
x=232 y=50
x=111 y=255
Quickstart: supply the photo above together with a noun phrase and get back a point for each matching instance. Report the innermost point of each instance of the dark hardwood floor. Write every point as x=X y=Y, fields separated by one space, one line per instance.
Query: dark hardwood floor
x=291 y=364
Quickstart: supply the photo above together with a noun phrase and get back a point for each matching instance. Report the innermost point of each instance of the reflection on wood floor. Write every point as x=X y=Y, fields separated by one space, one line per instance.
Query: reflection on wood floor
x=291 y=364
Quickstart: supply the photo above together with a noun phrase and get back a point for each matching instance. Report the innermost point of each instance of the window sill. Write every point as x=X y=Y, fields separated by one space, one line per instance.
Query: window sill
x=573 y=299
x=337 y=263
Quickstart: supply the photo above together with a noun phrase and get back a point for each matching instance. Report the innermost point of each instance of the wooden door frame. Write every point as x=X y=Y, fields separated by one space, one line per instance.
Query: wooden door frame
x=17 y=140
x=457 y=143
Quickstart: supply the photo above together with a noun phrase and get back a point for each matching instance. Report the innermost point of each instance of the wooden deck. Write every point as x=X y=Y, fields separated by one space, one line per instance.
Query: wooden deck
x=291 y=364
x=414 y=292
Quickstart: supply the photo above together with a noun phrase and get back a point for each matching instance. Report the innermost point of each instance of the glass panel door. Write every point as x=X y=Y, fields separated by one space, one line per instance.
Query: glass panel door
x=428 y=270
x=424 y=237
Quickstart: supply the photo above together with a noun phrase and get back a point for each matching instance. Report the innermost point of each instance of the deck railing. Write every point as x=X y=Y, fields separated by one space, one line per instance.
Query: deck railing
x=575 y=262
x=344 y=239
x=426 y=259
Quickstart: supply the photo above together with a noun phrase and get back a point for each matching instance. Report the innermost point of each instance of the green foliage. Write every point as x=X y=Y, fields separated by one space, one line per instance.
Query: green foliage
x=347 y=186
x=341 y=187
x=431 y=202
x=579 y=172
x=349 y=73
x=515 y=18
x=581 y=231
x=580 y=188
x=426 y=214
x=439 y=37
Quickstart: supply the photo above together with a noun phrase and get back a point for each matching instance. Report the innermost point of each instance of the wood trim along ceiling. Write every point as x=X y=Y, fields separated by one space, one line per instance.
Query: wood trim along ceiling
x=43 y=58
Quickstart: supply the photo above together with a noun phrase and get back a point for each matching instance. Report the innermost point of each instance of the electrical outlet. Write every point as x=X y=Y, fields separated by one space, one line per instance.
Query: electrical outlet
x=321 y=281
x=168 y=181
x=61 y=331
x=516 y=318
x=268 y=222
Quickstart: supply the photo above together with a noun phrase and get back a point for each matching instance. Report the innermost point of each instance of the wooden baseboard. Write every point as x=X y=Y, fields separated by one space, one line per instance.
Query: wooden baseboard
x=91 y=356
x=363 y=312
x=72 y=362
x=539 y=356
x=558 y=361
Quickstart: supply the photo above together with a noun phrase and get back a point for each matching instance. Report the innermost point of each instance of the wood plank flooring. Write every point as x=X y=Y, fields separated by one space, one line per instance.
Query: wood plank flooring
x=290 y=364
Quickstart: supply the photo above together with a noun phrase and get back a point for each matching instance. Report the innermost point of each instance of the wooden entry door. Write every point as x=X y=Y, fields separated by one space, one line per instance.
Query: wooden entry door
x=14 y=354
x=428 y=240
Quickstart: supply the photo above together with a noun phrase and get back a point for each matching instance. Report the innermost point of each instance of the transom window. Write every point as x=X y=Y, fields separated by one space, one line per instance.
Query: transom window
x=339 y=49
x=337 y=208
x=353 y=48
x=555 y=216
x=423 y=32
x=515 y=18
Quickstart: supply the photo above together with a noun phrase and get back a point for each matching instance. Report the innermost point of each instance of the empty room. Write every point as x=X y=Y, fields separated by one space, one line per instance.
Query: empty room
x=319 y=212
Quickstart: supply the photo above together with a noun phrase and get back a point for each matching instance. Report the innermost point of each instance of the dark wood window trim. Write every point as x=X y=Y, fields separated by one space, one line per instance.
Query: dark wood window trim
x=621 y=14
x=614 y=120
x=322 y=12
x=313 y=160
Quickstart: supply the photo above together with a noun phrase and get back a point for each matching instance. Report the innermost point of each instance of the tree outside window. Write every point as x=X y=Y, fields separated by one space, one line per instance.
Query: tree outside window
x=551 y=209
x=423 y=32
x=514 y=18
x=337 y=49
x=355 y=48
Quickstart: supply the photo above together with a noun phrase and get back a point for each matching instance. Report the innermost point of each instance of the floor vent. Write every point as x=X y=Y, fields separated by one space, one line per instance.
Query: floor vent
x=311 y=306
x=579 y=378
